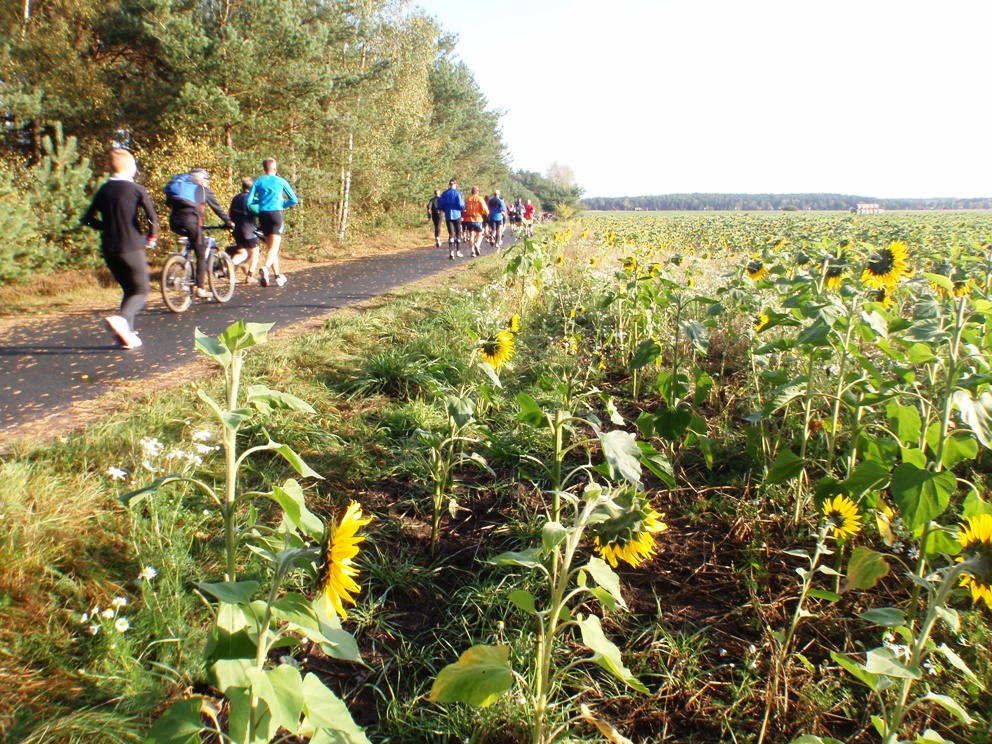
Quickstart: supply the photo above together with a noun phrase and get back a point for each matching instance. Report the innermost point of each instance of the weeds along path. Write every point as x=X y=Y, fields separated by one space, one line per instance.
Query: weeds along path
x=50 y=367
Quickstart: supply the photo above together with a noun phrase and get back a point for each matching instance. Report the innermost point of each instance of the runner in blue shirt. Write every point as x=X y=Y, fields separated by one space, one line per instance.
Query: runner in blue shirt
x=497 y=213
x=269 y=196
x=452 y=203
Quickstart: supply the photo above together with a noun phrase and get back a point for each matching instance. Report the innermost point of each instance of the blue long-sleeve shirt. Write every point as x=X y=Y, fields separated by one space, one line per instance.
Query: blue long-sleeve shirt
x=271 y=193
x=452 y=203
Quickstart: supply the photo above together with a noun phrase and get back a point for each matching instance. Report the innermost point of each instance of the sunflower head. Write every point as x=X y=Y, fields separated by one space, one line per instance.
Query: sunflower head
x=627 y=529
x=560 y=260
x=690 y=283
x=655 y=269
x=756 y=269
x=630 y=263
x=887 y=267
x=593 y=261
x=881 y=295
x=761 y=322
x=841 y=514
x=513 y=324
x=336 y=576
x=497 y=349
x=835 y=272
x=976 y=543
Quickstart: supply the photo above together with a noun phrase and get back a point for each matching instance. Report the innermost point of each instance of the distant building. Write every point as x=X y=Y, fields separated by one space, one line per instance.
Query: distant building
x=867 y=209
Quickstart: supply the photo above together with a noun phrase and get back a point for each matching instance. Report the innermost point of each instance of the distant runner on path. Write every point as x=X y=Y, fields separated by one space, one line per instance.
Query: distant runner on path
x=476 y=211
x=436 y=215
x=497 y=214
x=452 y=203
x=245 y=240
x=268 y=197
x=122 y=240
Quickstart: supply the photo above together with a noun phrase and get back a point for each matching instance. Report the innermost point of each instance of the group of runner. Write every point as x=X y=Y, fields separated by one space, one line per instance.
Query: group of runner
x=475 y=218
x=116 y=212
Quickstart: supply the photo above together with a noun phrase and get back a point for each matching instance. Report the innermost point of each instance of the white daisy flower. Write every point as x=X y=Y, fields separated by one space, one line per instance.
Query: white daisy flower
x=151 y=447
x=115 y=473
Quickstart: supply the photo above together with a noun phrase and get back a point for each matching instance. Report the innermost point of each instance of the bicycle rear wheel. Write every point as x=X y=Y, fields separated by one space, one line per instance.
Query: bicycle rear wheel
x=222 y=279
x=177 y=283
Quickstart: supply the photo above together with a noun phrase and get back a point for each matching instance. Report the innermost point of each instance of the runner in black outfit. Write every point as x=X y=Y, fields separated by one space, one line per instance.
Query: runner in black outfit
x=186 y=218
x=436 y=215
x=117 y=203
x=245 y=240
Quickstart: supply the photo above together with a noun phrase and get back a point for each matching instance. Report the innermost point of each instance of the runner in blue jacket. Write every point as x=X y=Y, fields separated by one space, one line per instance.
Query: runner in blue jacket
x=269 y=196
x=452 y=203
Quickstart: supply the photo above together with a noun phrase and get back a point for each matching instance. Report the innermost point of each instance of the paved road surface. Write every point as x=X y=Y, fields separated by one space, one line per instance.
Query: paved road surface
x=44 y=368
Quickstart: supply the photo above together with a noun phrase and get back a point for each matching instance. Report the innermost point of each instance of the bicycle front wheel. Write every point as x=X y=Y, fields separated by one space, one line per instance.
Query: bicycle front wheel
x=177 y=283
x=222 y=279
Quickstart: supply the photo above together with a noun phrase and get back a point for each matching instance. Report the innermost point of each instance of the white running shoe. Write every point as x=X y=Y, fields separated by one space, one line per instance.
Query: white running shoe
x=458 y=253
x=203 y=294
x=133 y=342
x=119 y=326
x=437 y=242
x=280 y=280
x=264 y=279
x=451 y=255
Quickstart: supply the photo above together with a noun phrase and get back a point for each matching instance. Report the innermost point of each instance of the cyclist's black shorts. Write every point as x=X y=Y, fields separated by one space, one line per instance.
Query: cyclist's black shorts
x=270 y=223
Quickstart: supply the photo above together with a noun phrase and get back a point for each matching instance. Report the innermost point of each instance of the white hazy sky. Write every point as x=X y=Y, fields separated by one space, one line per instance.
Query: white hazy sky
x=881 y=98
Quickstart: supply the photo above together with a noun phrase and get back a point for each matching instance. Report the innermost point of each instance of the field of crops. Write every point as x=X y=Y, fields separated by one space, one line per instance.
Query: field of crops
x=687 y=478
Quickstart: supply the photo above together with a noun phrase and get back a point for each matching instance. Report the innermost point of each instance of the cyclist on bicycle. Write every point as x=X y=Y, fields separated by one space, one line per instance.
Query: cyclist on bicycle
x=186 y=218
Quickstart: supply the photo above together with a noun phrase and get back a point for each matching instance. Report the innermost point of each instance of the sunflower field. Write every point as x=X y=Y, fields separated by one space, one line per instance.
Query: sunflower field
x=719 y=477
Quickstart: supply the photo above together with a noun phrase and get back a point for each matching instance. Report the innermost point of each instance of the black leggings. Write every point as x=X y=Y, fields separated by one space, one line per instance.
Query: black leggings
x=189 y=225
x=437 y=226
x=131 y=272
x=454 y=230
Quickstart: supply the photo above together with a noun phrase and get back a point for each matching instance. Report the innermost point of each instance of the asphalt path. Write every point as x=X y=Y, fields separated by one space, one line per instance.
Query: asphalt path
x=45 y=368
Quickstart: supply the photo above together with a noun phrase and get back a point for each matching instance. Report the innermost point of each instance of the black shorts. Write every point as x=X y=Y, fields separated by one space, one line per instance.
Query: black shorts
x=270 y=223
x=243 y=243
x=472 y=226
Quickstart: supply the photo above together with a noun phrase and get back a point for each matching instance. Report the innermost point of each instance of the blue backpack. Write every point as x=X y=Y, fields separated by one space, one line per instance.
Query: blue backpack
x=181 y=188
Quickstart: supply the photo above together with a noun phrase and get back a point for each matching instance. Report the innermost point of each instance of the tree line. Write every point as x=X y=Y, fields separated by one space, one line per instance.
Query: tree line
x=767 y=202
x=364 y=104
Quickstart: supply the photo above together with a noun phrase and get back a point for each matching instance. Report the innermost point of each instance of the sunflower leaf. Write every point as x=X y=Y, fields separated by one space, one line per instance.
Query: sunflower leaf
x=527 y=558
x=951 y=706
x=603 y=575
x=864 y=569
x=622 y=454
x=326 y=718
x=606 y=654
x=647 y=352
x=267 y=400
x=530 y=412
x=921 y=494
x=179 y=725
x=478 y=678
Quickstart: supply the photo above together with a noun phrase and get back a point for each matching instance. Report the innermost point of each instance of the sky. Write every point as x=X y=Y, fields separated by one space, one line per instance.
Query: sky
x=868 y=97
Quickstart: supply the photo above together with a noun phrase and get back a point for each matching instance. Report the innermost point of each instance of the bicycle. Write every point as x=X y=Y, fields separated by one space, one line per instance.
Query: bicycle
x=179 y=274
